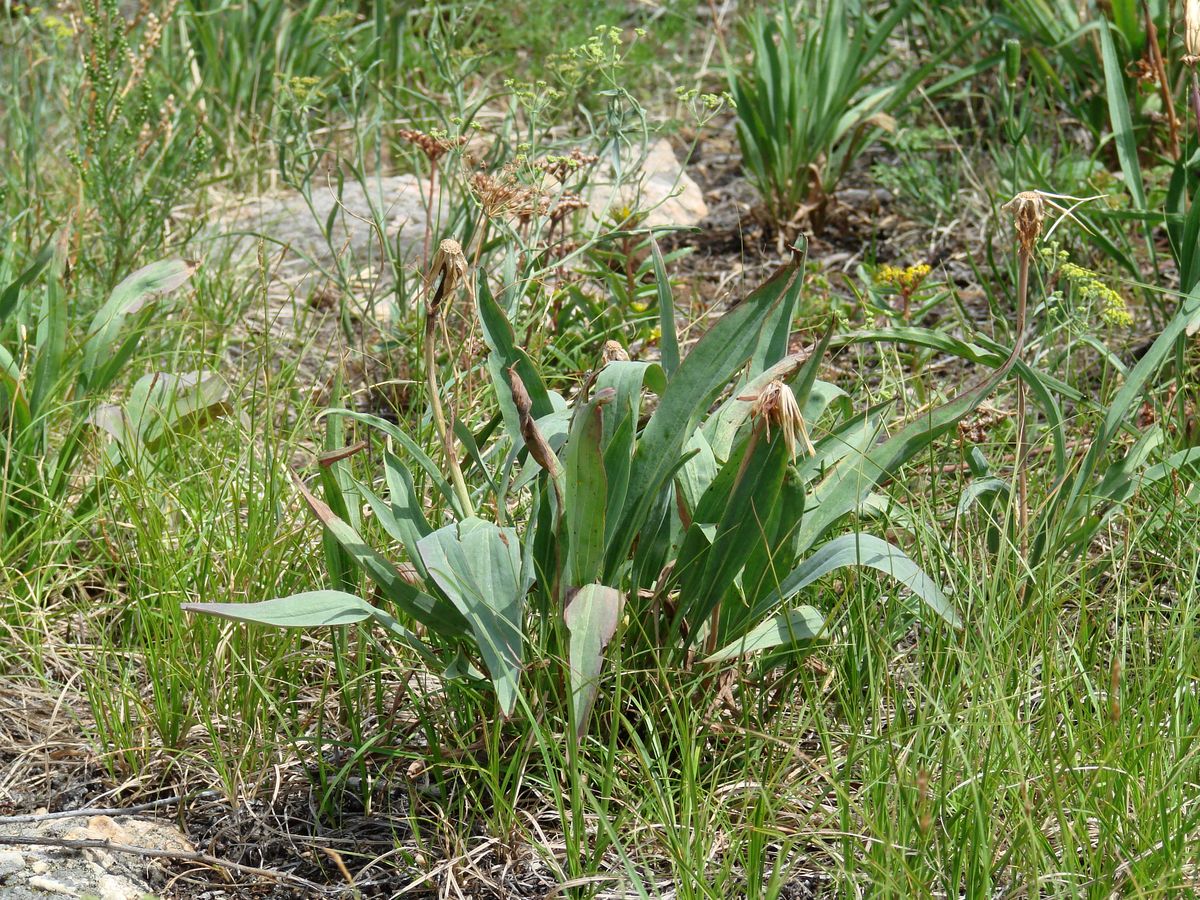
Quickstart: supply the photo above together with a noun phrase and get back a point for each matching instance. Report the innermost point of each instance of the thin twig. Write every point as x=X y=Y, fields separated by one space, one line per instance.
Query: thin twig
x=106 y=811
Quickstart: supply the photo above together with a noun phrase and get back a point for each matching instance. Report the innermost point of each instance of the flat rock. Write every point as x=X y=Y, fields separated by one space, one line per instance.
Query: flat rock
x=660 y=187
x=44 y=872
x=352 y=230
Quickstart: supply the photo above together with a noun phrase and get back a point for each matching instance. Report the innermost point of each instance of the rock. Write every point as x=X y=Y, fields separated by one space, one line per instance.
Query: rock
x=41 y=872
x=11 y=862
x=362 y=217
x=50 y=886
x=299 y=321
x=660 y=188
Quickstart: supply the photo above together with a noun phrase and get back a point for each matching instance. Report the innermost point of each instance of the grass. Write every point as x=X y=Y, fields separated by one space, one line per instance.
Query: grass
x=1049 y=747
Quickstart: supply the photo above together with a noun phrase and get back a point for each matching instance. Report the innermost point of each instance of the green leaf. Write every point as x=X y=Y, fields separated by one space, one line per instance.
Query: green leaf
x=1118 y=111
x=790 y=626
x=11 y=294
x=709 y=367
x=668 y=342
x=591 y=617
x=505 y=354
x=743 y=498
x=411 y=447
x=776 y=331
x=312 y=609
x=104 y=354
x=161 y=403
x=435 y=615
x=585 y=495
x=51 y=339
x=857 y=549
x=478 y=566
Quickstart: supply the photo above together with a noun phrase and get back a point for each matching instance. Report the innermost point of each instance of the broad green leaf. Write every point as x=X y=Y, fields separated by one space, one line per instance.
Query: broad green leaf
x=505 y=354
x=857 y=549
x=312 y=609
x=478 y=566
x=434 y=614
x=161 y=403
x=51 y=338
x=591 y=617
x=742 y=502
x=104 y=352
x=776 y=331
x=585 y=495
x=789 y=626
x=709 y=367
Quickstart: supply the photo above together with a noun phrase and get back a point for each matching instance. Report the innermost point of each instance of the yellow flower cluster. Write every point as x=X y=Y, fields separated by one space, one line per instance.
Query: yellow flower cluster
x=904 y=280
x=1113 y=310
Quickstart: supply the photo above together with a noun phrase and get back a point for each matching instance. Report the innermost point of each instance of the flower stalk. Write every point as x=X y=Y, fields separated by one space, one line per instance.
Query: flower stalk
x=449 y=270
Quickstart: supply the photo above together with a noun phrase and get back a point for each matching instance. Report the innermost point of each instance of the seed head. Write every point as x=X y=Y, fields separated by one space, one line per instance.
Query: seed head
x=776 y=405
x=449 y=269
x=434 y=146
x=1191 y=31
x=1028 y=212
x=613 y=352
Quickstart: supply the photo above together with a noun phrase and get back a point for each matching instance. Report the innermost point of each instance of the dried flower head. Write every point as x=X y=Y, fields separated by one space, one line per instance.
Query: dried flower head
x=434 y=145
x=563 y=166
x=566 y=205
x=1028 y=210
x=1191 y=31
x=449 y=269
x=504 y=195
x=776 y=405
x=613 y=352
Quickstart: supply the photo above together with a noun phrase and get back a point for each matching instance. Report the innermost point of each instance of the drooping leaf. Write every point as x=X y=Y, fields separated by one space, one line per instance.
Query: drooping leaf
x=591 y=616
x=105 y=350
x=434 y=614
x=857 y=549
x=789 y=626
x=478 y=566
x=312 y=609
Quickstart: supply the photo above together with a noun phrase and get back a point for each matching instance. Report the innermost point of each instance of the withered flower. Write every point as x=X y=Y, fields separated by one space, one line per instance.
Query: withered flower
x=776 y=405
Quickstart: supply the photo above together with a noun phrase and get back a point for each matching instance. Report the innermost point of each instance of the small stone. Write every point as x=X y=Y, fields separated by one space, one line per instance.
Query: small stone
x=50 y=886
x=11 y=862
x=113 y=888
x=39 y=867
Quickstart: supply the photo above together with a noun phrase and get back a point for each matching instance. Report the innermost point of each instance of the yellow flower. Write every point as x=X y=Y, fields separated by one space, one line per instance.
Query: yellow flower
x=904 y=280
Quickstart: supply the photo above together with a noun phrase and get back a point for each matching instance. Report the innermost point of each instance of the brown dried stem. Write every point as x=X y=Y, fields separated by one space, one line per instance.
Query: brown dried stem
x=449 y=270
